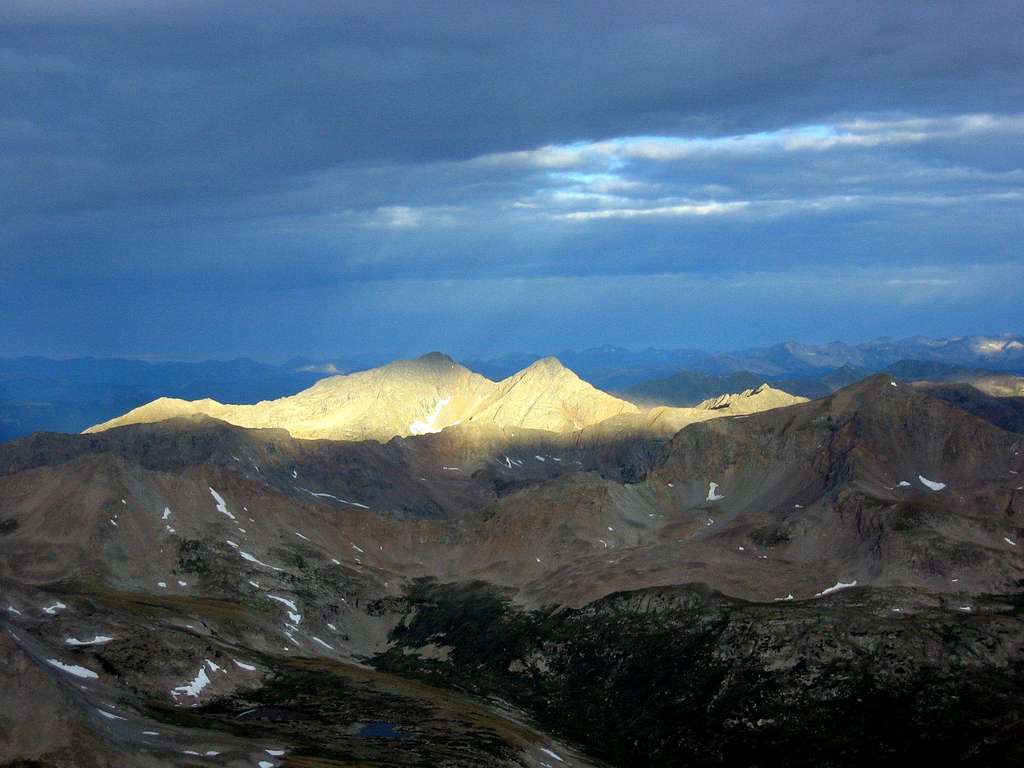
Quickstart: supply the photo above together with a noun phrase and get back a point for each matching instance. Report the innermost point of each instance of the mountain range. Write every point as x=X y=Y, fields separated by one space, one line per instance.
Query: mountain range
x=70 y=395
x=525 y=572
x=616 y=368
x=688 y=388
x=433 y=392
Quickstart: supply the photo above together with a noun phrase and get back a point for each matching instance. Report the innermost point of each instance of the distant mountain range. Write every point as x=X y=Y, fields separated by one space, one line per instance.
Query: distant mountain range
x=432 y=393
x=687 y=387
x=38 y=393
x=615 y=368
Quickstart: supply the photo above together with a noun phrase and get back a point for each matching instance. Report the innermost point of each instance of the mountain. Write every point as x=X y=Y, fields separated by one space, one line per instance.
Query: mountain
x=418 y=397
x=1005 y=411
x=548 y=396
x=666 y=421
x=687 y=387
x=830 y=581
x=793 y=359
x=70 y=395
x=608 y=367
x=616 y=368
x=402 y=398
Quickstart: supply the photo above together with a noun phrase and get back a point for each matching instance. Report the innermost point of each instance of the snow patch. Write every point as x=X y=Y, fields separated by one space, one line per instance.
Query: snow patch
x=243 y=665
x=74 y=669
x=222 y=507
x=251 y=559
x=549 y=753
x=427 y=425
x=51 y=610
x=331 y=496
x=836 y=587
x=98 y=640
x=1011 y=542
x=293 y=613
x=713 y=494
x=935 y=486
x=195 y=687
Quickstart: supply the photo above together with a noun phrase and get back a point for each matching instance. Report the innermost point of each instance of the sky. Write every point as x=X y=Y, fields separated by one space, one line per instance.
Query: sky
x=186 y=180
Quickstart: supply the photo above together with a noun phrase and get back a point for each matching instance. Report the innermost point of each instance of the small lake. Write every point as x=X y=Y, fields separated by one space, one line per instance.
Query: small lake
x=382 y=730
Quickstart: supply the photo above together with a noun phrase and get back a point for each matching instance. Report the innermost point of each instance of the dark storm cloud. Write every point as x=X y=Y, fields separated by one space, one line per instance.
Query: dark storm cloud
x=154 y=101
x=344 y=151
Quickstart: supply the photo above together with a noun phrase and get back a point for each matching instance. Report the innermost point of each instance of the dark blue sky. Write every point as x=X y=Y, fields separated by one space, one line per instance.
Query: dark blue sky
x=212 y=179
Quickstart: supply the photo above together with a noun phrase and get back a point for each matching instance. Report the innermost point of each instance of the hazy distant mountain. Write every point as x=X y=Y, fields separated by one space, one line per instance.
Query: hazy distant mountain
x=687 y=387
x=793 y=359
x=618 y=369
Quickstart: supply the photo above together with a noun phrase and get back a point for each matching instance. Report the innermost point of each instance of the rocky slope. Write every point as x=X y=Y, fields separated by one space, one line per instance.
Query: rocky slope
x=770 y=588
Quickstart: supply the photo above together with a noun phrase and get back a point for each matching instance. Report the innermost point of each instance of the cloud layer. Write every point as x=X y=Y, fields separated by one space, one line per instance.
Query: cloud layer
x=194 y=179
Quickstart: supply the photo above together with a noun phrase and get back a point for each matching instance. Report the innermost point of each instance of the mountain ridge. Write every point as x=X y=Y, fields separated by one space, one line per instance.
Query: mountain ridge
x=431 y=393
x=768 y=551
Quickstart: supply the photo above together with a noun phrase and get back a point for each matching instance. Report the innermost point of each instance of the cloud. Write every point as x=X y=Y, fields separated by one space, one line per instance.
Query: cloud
x=859 y=133
x=270 y=149
x=708 y=208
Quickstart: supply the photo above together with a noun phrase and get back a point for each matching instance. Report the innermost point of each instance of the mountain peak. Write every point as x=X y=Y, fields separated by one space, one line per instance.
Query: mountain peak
x=436 y=359
x=547 y=366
